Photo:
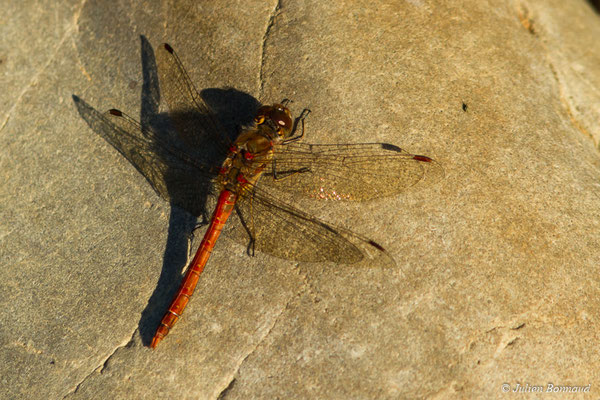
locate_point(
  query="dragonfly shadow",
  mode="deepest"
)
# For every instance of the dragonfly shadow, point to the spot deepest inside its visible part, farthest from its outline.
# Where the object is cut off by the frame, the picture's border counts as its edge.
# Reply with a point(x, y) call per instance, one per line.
point(157, 151)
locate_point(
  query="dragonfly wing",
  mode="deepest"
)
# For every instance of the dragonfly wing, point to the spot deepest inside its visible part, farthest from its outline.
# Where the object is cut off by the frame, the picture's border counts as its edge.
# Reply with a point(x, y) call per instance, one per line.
point(268, 225)
point(194, 120)
point(171, 171)
point(348, 171)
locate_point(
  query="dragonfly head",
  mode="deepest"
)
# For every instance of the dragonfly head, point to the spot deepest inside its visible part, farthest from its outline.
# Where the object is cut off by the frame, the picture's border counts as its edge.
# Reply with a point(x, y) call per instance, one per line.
point(277, 120)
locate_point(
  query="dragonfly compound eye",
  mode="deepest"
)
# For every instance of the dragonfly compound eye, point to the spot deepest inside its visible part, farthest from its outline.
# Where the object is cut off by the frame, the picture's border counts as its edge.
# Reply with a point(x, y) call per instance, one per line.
point(259, 117)
point(282, 118)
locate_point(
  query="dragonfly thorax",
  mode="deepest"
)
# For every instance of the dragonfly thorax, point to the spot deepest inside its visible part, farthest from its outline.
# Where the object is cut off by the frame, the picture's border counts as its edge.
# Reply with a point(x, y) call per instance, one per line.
point(247, 159)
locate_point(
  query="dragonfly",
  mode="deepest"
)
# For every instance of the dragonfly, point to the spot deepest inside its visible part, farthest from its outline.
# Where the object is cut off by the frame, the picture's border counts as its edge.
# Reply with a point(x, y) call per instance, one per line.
point(251, 180)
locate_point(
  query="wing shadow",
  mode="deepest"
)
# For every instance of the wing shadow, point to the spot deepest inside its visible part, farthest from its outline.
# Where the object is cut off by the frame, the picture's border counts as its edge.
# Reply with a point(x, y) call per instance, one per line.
point(162, 157)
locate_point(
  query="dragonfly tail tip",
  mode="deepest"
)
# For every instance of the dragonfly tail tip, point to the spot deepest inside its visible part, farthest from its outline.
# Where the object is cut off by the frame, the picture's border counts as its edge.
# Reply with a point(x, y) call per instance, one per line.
point(155, 342)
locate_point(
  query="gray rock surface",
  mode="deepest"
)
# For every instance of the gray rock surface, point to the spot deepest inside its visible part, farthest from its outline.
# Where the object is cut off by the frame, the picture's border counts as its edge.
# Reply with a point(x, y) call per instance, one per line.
point(497, 271)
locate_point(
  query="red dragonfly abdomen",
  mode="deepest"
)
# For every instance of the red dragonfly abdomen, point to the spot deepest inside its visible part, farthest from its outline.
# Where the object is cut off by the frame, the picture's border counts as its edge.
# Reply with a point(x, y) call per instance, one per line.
point(223, 210)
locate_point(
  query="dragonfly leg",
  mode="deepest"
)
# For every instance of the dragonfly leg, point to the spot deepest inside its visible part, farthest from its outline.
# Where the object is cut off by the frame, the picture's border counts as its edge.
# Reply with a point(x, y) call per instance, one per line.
point(251, 236)
point(250, 248)
point(198, 225)
point(280, 175)
point(192, 235)
point(300, 118)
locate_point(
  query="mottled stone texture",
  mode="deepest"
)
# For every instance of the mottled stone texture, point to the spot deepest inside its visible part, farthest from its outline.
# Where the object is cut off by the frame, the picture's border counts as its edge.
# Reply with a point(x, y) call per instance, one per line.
point(497, 276)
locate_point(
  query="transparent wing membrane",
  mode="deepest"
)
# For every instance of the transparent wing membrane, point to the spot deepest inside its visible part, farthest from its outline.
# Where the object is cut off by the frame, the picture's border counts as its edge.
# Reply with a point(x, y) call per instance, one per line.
point(184, 172)
point(195, 121)
point(348, 171)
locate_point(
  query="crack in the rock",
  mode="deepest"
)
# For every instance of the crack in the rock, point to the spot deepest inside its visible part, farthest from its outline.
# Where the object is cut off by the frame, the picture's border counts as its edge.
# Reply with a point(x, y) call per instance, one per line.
point(166, 7)
point(565, 103)
point(261, 81)
point(222, 394)
point(77, 14)
point(36, 75)
point(102, 365)
point(5, 122)
point(527, 20)
point(75, 48)
point(227, 389)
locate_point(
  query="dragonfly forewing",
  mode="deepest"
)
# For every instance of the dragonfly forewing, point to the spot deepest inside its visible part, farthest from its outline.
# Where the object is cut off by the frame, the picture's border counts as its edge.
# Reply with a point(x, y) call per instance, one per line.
point(348, 171)
point(195, 121)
